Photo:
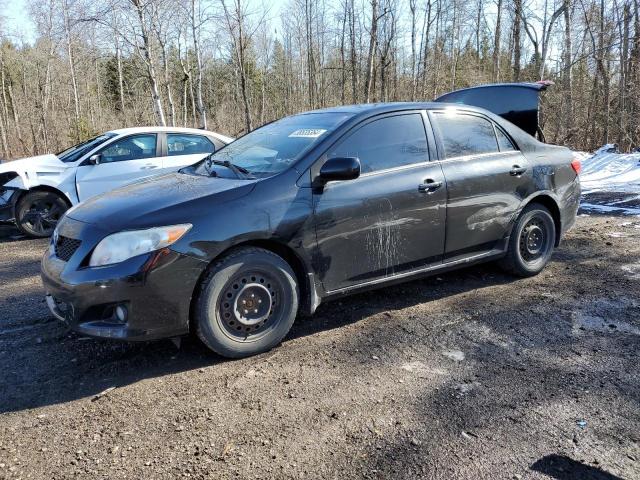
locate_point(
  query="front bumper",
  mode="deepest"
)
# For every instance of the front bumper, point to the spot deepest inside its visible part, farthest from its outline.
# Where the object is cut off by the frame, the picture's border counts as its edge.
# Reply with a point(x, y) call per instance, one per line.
point(155, 289)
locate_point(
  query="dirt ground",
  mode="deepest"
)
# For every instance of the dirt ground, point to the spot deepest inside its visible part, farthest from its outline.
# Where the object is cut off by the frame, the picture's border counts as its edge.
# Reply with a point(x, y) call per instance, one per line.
point(468, 375)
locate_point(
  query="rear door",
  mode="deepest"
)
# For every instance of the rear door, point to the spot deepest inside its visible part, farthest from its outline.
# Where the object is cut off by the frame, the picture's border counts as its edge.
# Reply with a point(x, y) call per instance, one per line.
point(388, 221)
point(125, 160)
point(183, 149)
point(487, 179)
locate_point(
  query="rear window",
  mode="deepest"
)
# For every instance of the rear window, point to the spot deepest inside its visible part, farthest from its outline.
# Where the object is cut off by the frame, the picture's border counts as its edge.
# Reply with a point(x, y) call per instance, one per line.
point(503, 141)
point(464, 135)
point(188, 144)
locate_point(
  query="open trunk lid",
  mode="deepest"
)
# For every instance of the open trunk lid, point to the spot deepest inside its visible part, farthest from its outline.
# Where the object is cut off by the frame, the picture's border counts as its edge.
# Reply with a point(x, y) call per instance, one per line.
point(517, 102)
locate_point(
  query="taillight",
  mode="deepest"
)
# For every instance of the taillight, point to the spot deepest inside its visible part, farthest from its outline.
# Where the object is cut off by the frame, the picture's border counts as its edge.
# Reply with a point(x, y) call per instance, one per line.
point(576, 165)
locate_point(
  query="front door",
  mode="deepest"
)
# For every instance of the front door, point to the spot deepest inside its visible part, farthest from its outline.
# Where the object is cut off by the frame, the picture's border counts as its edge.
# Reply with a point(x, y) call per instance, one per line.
point(123, 161)
point(391, 219)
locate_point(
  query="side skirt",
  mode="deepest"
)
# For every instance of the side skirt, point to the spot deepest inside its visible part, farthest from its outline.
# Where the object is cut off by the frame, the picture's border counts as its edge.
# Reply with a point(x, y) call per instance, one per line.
point(418, 273)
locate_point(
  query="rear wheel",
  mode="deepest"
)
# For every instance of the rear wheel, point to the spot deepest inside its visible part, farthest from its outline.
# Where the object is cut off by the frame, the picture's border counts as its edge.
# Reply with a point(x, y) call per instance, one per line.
point(531, 242)
point(38, 212)
point(247, 303)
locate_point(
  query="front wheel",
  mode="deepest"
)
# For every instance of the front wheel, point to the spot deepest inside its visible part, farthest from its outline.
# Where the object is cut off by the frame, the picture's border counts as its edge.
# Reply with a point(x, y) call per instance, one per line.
point(531, 242)
point(247, 303)
point(38, 213)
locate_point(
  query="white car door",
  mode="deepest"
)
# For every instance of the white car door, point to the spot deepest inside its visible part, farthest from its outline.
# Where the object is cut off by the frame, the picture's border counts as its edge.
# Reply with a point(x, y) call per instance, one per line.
point(123, 161)
point(185, 149)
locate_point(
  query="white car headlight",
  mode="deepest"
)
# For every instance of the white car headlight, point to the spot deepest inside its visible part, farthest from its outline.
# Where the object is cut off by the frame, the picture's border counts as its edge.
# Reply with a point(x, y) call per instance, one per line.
point(118, 247)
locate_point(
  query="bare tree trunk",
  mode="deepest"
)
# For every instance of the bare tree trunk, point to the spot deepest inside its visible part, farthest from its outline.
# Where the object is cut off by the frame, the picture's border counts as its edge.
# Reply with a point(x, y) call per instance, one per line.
point(517, 43)
point(353, 55)
point(312, 86)
point(120, 81)
point(150, 64)
point(622, 89)
point(343, 67)
point(239, 45)
point(200, 106)
point(186, 77)
point(167, 82)
point(414, 78)
point(496, 44)
point(425, 55)
point(72, 69)
point(5, 107)
point(373, 41)
point(568, 73)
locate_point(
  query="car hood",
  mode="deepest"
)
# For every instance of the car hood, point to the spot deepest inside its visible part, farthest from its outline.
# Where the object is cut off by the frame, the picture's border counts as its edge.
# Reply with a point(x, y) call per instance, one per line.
point(30, 168)
point(165, 200)
point(48, 162)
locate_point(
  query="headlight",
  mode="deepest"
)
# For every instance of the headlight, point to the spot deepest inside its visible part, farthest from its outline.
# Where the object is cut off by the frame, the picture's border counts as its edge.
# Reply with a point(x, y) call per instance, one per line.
point(118, 247)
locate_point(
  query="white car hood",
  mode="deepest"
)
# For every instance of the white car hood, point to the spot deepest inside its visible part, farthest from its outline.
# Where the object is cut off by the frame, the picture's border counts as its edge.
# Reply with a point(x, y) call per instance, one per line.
point(46, 170)
point(48, 163)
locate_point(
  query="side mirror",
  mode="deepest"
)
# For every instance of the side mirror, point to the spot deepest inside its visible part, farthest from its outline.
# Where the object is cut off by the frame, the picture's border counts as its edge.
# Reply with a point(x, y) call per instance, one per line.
point(95, 159)
point(340, 168)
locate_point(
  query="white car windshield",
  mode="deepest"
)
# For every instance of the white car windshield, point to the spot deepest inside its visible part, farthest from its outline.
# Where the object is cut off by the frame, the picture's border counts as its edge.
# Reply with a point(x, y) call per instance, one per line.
point(276, 146)
point(74, 153)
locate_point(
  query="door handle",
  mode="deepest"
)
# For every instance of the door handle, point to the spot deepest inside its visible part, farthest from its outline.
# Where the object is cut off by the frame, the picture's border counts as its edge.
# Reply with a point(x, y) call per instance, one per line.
point(148, 166)
point(517, 170)
point(429, 186)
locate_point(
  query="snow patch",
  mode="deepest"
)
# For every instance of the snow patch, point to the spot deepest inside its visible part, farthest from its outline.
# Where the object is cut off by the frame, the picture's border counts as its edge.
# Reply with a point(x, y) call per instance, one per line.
point(632, 270)
point(456, 355)
point(607, 171)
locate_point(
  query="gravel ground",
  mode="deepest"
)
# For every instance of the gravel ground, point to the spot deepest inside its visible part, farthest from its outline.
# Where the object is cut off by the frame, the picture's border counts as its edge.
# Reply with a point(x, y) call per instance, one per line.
point(467, 375)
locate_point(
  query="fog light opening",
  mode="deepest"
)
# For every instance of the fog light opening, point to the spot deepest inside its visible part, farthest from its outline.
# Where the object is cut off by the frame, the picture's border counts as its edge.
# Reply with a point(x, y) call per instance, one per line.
point(121, 313)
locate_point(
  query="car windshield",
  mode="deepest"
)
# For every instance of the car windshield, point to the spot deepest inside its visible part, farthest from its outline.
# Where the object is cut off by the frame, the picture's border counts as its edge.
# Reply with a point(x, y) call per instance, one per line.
point(74, 153)
point(276, 146)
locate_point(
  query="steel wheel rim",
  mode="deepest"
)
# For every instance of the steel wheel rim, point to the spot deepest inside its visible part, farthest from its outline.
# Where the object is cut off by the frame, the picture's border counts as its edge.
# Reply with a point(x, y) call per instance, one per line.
point(534, 240)
point(250, 305)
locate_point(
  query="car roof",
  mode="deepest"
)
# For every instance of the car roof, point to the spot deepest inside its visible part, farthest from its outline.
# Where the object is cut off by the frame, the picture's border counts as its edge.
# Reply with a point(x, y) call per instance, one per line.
point(373, 108)
point(155, 129)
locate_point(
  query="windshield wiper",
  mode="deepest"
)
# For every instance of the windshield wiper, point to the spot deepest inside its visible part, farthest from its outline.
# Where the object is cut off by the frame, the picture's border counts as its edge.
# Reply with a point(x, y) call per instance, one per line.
point(240, 172)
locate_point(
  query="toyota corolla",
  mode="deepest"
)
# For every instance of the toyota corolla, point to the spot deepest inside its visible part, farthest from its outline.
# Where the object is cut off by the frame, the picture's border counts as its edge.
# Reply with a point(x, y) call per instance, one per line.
point(303, 210)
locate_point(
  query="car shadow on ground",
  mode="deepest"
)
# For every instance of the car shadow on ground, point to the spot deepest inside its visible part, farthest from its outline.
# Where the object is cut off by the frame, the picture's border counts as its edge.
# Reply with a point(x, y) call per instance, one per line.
point(527, 362)
point(561, 467)
point(67, 367)
point(9, 233)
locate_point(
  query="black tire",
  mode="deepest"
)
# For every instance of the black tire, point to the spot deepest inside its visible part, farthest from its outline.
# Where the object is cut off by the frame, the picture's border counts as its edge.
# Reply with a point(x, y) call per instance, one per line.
point(38, 212)
point(531, 243)
point(247, 303)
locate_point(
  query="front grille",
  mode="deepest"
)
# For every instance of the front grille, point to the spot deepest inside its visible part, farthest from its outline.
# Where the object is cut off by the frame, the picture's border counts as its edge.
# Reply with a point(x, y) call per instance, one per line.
point(65, 247)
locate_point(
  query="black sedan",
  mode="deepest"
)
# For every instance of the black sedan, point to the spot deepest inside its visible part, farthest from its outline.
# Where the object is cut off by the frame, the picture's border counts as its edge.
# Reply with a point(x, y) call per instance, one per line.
point(305, 209)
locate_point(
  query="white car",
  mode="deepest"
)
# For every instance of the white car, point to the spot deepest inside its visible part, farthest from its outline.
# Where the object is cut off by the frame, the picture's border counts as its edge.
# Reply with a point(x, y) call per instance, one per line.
point(36, 191)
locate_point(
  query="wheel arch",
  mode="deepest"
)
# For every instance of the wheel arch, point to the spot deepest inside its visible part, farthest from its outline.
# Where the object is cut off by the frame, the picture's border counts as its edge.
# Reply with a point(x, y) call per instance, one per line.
point(43, 188)
point(550, 203)
point(309, 298)
point(40, 188)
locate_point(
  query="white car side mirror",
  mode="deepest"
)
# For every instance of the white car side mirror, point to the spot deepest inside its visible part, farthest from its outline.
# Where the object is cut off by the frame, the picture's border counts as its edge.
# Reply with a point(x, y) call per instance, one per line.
point(95, 159)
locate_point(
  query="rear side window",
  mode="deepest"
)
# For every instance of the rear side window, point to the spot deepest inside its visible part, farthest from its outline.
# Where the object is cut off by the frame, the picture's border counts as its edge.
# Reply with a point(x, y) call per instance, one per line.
point(386, 143)
point(465, 134)
point(184, 144)
point(503, 141)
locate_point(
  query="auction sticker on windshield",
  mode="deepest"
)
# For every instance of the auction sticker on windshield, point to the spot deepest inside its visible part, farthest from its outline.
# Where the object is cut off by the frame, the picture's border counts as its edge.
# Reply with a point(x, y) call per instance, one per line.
point(308, 133)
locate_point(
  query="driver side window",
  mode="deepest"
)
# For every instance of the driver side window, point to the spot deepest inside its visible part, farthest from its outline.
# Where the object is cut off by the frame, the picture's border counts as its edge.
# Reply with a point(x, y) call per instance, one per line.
point(134, 147)
point(385, 143)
